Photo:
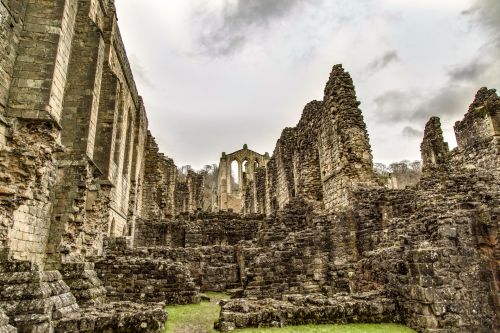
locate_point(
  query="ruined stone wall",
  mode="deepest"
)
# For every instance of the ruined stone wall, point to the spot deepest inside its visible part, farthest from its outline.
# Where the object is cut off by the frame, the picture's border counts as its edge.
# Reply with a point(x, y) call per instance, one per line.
point(95, 167)
point(149, 278)
point(165, 193)
point(72, 136)
point(31, 98)
point(195, 187)
point(26, 201)
point(196, 230)
point(160, 181)
point(248, 162)
point(326, 155)
point(478, 133)
point(213, 268)
point(429, 251)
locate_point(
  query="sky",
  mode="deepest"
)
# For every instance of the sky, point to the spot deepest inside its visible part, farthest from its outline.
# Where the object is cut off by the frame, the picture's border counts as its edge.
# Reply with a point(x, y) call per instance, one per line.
point(217, 74)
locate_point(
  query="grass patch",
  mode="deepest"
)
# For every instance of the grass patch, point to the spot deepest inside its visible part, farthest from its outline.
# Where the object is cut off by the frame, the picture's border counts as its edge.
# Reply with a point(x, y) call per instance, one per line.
point(194, 318)
point(349, 328)
point(200, 318)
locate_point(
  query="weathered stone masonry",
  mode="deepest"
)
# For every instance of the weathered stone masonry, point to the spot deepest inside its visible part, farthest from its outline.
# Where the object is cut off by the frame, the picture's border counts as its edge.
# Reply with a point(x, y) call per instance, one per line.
point(74, 154)
point(360, 251)
point(98, 229)
point(331, 245)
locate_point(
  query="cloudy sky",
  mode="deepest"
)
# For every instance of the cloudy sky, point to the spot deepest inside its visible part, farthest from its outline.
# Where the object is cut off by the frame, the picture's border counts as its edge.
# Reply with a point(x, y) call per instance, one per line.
point(216, 74)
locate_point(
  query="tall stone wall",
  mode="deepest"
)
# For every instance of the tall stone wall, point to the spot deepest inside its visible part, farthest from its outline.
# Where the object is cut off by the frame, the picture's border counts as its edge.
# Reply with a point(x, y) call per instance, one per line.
point(325, 157)
point(165, 193)
point(426, 255)
point(160, 179)
point(235, 199)
point(73, 136)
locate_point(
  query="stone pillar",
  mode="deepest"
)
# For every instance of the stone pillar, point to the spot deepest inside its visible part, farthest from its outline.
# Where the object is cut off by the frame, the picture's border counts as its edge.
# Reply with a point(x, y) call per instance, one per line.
point(31, 93)
point(435, 152)
point(40, 73)
point(79, 121)
point(223, 187)
point(240, 177)
point(137, 171)
point(344, 148)
point(107, 119)
point(228, 177)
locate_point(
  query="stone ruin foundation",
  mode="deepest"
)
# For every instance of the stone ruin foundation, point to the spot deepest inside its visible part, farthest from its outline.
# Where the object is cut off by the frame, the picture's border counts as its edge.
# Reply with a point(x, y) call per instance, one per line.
point(98, 231)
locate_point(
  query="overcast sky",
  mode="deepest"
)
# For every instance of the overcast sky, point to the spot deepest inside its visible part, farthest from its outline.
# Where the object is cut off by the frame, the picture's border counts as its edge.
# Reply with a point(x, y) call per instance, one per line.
point(216, 74)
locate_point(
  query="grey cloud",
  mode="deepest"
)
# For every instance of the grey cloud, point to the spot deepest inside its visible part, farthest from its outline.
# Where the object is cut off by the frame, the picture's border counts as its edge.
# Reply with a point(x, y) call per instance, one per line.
point(469, 72)
point(411, 132)
point(394, 105)
point(469, 11)
point(229, 34)
point(399, 106)
point(451, 100)
point(382, 62)
point(486, 14)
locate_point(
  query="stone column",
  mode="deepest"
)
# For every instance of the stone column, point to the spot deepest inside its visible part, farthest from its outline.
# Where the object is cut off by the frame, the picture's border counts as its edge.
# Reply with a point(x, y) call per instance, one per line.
point(240, 176)
point(76, 172)
point(107, 119)
point(344, 148)
point(41, 69)
point(228, 177)
point(41, 33)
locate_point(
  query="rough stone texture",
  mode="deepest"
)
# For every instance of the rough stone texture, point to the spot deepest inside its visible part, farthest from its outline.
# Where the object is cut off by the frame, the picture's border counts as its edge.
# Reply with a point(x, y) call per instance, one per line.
point(322, 159)
point(431, 250)
point(73, 132)
point(202, 229)
point(27, 175)
point(34, 299)
point(91, 211)
point(230, 198)
point(311, 309)
point(84, 283)
point(4, 324)
point(130, 275)
point(165, 195)
point(435, 152)
point(120, 317)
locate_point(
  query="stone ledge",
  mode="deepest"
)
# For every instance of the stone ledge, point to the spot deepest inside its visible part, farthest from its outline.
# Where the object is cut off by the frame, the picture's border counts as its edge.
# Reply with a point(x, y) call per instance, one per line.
point(369, 307)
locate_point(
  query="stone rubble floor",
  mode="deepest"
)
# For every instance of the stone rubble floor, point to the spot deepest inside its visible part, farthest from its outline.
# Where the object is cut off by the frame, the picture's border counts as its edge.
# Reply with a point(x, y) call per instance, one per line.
point(200, 318)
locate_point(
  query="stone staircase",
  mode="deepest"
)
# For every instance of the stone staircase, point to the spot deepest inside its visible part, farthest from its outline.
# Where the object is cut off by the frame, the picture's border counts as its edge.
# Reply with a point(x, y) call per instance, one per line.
point(34, 299)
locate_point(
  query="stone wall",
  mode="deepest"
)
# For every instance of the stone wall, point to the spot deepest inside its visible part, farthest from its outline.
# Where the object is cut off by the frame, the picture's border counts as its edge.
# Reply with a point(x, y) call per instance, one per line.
point(160, 180)
point(248, 162)
point(73, 132)
point(165, 193)
point(303, 310)
point(324, 157)
point(196, 230)
point(79, 169)
point(430, 251)
point(149, 278)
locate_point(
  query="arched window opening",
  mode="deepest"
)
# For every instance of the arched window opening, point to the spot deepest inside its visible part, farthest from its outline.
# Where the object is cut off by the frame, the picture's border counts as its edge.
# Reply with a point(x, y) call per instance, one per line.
point(245, 171)
point(255, 165)
point(235, 176)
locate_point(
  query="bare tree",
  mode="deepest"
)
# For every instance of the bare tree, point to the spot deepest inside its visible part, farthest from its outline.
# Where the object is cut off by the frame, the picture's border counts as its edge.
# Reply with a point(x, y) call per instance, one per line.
point(399, 175)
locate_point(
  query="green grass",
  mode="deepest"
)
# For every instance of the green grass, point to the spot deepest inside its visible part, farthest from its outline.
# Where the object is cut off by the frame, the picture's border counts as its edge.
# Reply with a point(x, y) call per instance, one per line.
point(350, 328)
point(194, 318)
point(199, 318)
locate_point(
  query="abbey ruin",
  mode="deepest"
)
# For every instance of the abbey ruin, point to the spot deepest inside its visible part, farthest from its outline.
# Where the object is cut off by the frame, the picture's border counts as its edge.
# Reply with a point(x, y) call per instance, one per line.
point(98, 230)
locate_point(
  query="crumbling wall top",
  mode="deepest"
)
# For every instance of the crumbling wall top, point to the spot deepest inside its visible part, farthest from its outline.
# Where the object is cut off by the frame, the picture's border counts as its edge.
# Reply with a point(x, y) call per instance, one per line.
point(482, 120)
point(434, 149)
